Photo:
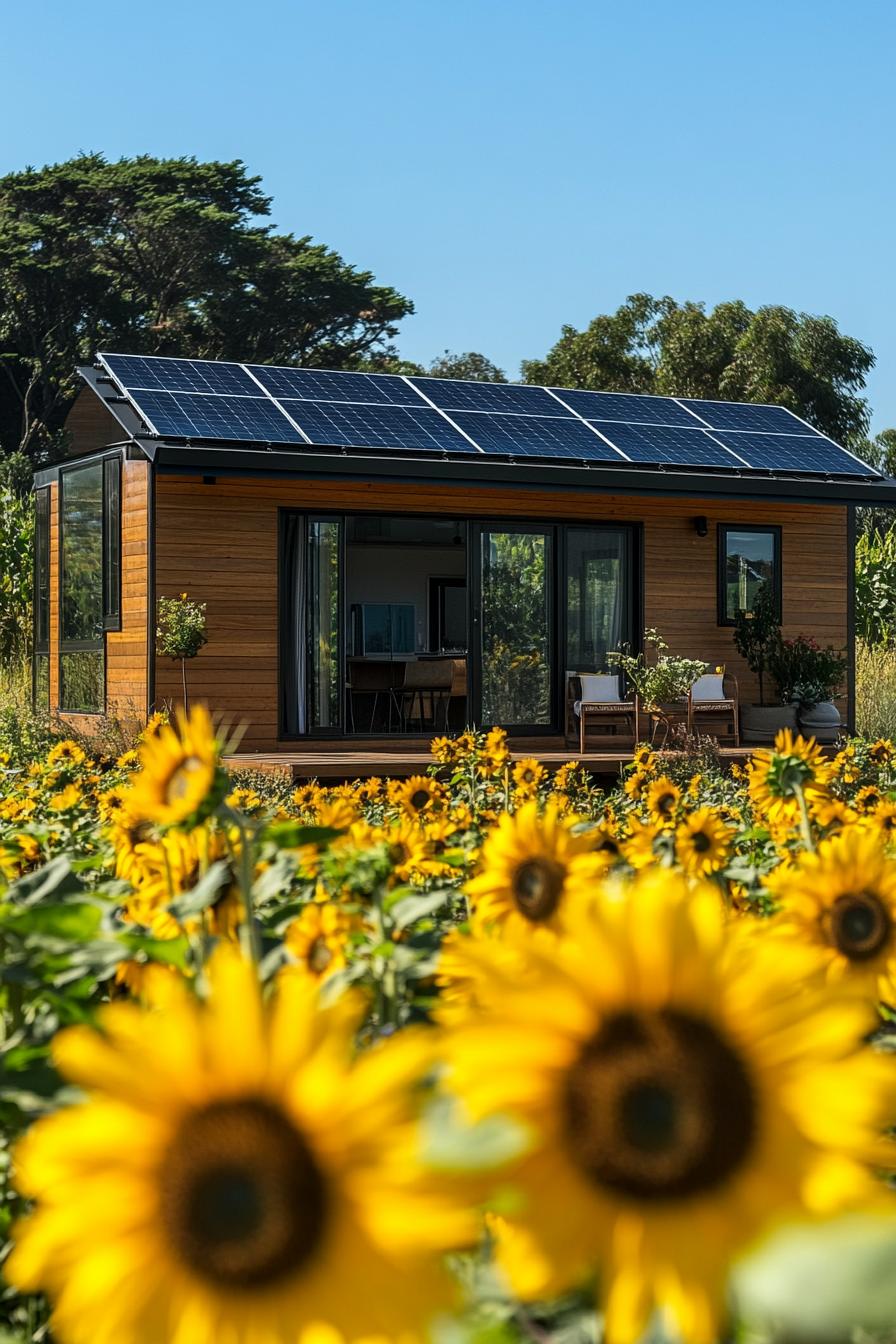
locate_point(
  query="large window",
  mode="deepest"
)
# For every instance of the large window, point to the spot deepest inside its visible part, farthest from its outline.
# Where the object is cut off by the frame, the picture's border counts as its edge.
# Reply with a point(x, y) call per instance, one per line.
point(82, 621)
point(42, 599)
point(599, 599)
point(749, 558)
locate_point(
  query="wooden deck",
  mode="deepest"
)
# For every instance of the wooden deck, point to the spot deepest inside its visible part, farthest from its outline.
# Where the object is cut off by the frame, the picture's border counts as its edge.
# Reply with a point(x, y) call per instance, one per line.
point(345, 762)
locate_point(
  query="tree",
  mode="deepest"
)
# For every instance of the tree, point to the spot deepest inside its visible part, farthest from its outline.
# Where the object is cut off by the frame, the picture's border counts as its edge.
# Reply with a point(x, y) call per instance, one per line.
point(732, 353)
point(471, 366)
point(162, 256)
point(881, 453)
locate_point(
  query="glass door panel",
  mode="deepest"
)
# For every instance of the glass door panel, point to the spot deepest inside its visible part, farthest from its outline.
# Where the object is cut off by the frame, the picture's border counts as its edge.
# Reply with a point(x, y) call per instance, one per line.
point(598, 595)
point(515, 646)
point(324, 603)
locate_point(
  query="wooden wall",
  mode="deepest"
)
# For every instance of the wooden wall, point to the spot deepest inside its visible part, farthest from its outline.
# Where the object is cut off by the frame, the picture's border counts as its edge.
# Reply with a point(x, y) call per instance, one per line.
point(219, 543)
point(127, 667)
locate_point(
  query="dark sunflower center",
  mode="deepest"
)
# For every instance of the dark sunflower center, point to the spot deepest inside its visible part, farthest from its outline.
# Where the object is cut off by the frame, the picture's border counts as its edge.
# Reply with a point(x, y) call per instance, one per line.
point(860, 925)
point(243, 1202)
point(701, 842)
point(658, 1107)
point(398, 852)
point(665, 803)
point(319, 955)
point(537, 886)
point(607, 845)
point(419, 799)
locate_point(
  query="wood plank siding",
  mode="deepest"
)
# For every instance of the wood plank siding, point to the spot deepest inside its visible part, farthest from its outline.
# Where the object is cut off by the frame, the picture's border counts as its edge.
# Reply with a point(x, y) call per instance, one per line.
point(127, 649)
point(219, 542)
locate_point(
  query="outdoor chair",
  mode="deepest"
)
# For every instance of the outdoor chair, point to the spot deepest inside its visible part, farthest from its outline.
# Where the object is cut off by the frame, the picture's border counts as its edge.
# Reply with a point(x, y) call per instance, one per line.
point(595, 700)
point(713, 699)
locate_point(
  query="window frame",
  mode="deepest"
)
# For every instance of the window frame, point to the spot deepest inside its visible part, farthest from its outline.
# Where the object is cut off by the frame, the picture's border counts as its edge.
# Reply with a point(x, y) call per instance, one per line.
point(765, 529)
point(41, 641)
point(98, 643)
point(111, 543)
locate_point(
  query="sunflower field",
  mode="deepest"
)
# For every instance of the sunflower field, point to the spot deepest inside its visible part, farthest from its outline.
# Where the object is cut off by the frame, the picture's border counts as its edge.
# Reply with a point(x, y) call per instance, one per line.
point(483, 1056)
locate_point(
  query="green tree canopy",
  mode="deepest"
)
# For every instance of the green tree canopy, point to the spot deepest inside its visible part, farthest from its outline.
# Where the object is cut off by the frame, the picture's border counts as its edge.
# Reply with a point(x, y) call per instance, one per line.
point(471, 366)
point(731, 353)
point(162, 256)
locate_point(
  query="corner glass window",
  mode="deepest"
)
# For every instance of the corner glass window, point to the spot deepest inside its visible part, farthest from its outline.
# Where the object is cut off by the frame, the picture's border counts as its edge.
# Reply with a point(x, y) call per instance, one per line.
point(82, 591)
point(749, 558)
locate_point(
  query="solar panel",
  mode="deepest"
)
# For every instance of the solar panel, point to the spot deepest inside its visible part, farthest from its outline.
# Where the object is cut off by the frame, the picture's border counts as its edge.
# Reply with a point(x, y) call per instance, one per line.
point(793, 452)
point(625, 406)
point(380, 389)
point(204, 399)
point(663, 444)
point(186, 415)
point(534, 436)
point(181, 375)
point(510, 398)
point(332, 425)
point(745, 416)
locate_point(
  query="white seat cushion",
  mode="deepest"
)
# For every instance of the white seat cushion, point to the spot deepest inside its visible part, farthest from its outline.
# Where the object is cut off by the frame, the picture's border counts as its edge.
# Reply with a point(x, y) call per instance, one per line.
point(711, 686)
point(597, 687)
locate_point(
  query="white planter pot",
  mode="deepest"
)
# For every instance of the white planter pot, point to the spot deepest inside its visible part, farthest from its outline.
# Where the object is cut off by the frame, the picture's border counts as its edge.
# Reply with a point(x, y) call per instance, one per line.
point(762, 723)
point(822, 722)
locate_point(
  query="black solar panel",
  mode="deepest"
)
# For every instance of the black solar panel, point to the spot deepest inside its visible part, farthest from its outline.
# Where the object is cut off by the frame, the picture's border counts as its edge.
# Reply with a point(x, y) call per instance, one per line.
point(745, 416)
point(186, 415)
point(419, 426)
point(625, 406)
point(792, 452)
point(203, 399)
point(510, 398)
point(181, 375)
point(319, 385)
point(534, 436)
point(663, 444)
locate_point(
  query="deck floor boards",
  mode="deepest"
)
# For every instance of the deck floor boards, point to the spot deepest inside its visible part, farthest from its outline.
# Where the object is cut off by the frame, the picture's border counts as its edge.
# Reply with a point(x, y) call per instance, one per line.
point(354, 763)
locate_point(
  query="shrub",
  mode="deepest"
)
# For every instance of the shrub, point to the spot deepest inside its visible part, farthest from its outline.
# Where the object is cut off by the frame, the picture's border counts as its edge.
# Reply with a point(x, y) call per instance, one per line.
point(181, 631)
point(805, 672)
point(757, 634)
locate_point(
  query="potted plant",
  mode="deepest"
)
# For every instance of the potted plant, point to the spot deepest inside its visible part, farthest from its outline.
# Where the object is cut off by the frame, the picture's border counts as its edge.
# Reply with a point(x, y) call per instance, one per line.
point(757, 638)
point(810, 676)
point(661, 685)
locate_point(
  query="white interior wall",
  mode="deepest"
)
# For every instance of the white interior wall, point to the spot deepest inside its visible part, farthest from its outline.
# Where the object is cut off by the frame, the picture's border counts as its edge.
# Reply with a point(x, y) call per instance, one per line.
point(400, 574)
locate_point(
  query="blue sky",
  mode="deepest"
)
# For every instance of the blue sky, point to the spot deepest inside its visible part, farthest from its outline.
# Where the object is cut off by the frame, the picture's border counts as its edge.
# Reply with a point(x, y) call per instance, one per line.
point(512, 166)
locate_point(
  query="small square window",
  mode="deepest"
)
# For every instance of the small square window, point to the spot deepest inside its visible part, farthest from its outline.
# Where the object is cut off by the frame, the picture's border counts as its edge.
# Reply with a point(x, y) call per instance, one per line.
point(749, 559)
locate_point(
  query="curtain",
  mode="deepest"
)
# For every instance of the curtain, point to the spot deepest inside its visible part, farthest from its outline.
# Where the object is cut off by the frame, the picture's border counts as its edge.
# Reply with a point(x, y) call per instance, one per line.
point(293, 609)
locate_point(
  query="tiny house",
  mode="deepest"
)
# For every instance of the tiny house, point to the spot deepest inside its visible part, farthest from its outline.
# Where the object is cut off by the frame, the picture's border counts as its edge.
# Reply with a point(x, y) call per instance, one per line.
point(386, 557)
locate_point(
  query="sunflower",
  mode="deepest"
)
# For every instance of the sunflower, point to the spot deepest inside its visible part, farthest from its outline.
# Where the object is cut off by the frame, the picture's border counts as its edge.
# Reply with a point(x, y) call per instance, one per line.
point(528, 774)
point(883, 818)
point(702, 842)
point(180, 777)
point(867, 799)
point(841, 901)
point(419, 796)
point(663, 798)
point(532, 868)
point(639, 846)
point(635, 784)
point(779, 778)
point(644, 758)
point(318, 939)
point(230, 1173)
point(678, 1102)
point(882, 751)
point(406, 847)
point(66, 753)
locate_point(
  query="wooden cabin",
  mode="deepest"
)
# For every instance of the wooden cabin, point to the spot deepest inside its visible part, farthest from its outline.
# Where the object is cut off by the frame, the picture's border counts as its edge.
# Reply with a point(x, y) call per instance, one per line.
point(384, 558)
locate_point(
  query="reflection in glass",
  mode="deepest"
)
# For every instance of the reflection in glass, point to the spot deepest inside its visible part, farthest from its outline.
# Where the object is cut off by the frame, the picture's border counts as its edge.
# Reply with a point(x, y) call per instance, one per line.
point(516, 654)
point(323, 623)
point(42, 681)
point(749, 563)
point(82, 554)
point(81, 682)
point(598, 601)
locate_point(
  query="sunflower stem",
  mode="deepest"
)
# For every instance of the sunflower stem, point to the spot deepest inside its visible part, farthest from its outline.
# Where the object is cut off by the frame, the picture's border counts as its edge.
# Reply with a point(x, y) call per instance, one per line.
point(245, 876)
point(805, 826)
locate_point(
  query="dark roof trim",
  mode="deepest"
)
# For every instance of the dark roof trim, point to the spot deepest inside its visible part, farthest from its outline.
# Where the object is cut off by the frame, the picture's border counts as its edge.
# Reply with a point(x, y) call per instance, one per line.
point(471, 473)
point(99, 382)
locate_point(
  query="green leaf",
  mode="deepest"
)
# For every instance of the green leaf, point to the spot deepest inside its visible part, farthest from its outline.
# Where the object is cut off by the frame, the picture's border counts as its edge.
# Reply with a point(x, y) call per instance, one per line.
point(412, 908)
point(74, 922)
point(55, 878)
point(293, 834)
point(204, 894)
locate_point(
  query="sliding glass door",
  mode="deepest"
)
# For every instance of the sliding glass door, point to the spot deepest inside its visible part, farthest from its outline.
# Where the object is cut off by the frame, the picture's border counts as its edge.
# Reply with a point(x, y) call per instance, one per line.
point(513, 618)
point(599, 608)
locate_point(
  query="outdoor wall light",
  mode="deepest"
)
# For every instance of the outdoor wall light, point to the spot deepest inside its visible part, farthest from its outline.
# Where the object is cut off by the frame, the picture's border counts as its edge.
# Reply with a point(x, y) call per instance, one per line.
point(701, 527)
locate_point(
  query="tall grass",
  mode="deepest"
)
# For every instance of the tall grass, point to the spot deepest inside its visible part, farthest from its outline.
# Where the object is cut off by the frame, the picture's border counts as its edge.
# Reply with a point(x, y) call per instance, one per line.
point(875, 691)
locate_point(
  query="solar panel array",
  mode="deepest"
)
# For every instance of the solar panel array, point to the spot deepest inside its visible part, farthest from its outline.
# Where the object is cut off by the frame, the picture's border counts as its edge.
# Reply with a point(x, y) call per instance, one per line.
point(258, 403)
